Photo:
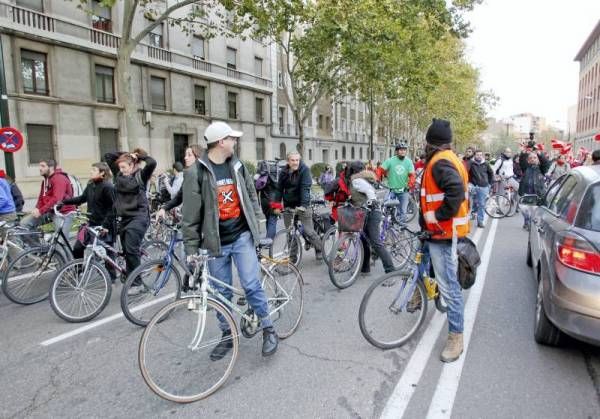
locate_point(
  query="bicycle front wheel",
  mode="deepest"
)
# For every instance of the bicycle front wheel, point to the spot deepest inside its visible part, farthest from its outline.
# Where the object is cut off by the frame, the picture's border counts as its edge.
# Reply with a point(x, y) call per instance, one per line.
point(283, 285)
point(79, 292)
point(328, 242)
point(392, 310)
point(151, 286)
point(497, 206)
point(174, 353)
point(345, 260)
point(287, 245)
point(28, 277)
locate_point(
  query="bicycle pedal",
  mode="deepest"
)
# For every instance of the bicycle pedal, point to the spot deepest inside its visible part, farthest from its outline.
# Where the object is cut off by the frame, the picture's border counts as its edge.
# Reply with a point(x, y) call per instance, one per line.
point(242, 301)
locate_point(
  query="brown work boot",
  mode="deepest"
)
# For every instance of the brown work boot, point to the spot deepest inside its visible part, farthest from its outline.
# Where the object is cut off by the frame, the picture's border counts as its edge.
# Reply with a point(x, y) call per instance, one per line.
point(454, 347)
point(415, 302)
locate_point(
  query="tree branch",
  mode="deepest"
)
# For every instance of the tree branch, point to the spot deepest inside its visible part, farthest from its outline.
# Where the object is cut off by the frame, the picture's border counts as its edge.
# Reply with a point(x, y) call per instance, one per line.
point(161, 19)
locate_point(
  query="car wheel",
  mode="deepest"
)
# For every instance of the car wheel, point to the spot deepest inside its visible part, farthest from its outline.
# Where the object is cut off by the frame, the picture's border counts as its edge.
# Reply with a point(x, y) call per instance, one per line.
point(544, 331)
point(529, 258)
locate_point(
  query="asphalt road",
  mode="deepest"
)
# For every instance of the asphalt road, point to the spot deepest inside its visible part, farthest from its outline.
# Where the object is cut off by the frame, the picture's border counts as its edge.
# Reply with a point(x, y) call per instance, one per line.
point(325, 370)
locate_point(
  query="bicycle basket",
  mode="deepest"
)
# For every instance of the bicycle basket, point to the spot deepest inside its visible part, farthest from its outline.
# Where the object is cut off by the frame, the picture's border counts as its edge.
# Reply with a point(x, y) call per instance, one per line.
point(351, 219)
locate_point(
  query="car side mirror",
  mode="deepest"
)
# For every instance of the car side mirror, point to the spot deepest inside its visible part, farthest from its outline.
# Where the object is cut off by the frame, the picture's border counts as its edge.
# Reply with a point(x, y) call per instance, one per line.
point(529, 201)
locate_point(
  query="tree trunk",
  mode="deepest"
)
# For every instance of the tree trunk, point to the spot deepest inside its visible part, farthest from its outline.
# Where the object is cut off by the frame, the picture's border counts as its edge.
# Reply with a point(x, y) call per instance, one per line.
point(301, 138)
point(126, 95)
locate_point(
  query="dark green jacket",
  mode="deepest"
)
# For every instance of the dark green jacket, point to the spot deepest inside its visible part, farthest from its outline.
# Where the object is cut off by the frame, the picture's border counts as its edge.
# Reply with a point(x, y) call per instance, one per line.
point(200, 225)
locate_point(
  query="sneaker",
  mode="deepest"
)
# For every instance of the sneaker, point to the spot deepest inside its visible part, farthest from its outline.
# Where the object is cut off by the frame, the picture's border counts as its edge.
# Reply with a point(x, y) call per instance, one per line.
point(454, 347)
point(224, 346)
point(480, 224)
point(270, 341)
point(415, 303)
point(319, 255)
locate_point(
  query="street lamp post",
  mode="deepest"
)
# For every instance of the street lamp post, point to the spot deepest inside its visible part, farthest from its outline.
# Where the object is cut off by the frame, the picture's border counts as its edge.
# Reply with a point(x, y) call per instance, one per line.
point(4, 117)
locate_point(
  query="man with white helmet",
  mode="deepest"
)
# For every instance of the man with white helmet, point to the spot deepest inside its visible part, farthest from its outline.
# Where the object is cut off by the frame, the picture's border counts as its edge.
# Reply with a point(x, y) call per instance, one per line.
point(221, 214)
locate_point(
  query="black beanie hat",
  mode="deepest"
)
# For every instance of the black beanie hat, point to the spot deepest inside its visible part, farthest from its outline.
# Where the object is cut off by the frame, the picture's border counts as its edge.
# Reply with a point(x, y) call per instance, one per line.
point(439, 132)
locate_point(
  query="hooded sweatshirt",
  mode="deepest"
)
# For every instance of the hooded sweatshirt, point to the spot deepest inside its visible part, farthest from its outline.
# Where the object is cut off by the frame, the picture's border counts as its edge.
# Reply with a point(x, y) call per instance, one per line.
point(54, 189)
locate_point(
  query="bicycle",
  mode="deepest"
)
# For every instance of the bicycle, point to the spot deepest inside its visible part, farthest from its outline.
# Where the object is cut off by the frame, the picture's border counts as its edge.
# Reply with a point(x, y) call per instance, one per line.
point(497, 204)
point(394, 307)
point(11, 243)
point(82, 288)
point(412, 209)
point(174, 350)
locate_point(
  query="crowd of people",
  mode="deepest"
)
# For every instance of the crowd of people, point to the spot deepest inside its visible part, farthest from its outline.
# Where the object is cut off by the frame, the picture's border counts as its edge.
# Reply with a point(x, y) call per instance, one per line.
point(223, 206)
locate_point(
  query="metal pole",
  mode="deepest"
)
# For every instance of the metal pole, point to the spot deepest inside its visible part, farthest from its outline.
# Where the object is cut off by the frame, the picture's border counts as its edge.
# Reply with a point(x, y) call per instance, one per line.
point(371, 136)
point(9, 163)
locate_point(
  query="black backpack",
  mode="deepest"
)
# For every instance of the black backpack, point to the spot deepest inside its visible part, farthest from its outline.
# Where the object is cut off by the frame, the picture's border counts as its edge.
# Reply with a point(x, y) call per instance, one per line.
point(468, 261)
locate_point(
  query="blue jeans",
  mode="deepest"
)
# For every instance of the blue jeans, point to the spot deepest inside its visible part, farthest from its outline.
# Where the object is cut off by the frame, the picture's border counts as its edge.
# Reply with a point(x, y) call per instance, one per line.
point(271, 226)
point(480, 194)
point(445, 266)
point(243, 253)
point(403, 197)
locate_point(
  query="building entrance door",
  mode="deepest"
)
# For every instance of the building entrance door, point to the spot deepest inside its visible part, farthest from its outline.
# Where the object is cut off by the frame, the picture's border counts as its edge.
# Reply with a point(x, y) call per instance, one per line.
point(180, 143)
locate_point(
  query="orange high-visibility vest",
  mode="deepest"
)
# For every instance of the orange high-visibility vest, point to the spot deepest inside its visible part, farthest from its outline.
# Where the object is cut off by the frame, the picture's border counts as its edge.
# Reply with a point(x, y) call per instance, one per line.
point(432, 198)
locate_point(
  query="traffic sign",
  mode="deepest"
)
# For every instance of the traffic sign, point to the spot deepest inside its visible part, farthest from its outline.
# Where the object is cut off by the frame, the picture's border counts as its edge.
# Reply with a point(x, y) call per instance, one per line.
point(11, 139)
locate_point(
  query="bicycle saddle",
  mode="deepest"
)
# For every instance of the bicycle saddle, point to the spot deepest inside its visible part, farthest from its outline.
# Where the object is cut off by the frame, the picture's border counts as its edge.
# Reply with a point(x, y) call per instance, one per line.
point(265, 243)
point(392, 203)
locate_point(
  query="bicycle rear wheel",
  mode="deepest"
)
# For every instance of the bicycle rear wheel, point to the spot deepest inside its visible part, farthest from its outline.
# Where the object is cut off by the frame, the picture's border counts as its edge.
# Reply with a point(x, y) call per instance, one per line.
point(497, 206)
point(153, 249)
point(328, 242)
point(151, 286)
point(345, 260)
point(80, 293)
point(285, 296)
point(28, 277)
point(174, 354)
point(392, 310)
point(287, 244)
point(411, 210)
point(400, 244)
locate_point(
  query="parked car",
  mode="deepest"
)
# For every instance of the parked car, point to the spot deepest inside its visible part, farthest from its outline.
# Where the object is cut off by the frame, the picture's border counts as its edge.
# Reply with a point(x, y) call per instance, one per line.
point(563, 250)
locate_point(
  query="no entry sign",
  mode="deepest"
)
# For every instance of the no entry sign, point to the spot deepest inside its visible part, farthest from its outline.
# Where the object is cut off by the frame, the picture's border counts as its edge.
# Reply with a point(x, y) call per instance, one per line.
point(11, 139)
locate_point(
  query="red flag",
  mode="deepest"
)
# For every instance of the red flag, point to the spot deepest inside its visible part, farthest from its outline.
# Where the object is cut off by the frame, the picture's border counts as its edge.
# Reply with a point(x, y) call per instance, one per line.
point(597, 137)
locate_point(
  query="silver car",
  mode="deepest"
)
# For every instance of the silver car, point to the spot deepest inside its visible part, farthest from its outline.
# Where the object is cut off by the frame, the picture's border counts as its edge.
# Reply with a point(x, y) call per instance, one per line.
point(563, 250)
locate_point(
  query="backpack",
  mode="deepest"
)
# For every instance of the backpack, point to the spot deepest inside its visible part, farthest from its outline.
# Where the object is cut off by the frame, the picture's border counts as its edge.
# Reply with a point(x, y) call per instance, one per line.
point(500, 167)
point(76, 188)
point(468, 261)
point(267, 171)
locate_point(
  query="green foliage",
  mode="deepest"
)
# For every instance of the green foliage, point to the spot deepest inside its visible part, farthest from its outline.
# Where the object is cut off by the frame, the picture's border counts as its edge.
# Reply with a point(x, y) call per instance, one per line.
point(317, 168)
point(250, 166)
point(339, 166)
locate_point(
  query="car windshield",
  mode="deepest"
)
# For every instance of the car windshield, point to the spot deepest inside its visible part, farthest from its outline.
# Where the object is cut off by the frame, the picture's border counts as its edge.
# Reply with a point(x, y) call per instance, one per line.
point(589, 212)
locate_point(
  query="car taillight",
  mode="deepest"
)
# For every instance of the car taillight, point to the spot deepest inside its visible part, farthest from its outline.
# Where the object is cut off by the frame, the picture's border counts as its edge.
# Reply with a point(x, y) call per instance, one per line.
point(578, 253)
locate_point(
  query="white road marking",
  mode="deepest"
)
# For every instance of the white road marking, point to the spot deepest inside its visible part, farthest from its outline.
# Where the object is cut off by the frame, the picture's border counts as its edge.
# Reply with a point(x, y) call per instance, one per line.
point(404, 390)
point(445, 392)
point(98, 323)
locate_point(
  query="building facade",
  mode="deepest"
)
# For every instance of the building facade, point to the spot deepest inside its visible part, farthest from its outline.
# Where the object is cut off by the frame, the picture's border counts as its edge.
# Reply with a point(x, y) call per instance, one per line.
point(588, 101)
point(61, 87)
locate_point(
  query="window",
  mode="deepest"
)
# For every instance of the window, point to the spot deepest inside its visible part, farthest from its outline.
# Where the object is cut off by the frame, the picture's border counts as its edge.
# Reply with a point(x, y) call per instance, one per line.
point(40, 144)
point(157, 93)
point(553, 189)
point(589, 211)
point(327, 122)
point(560, 201)
point(108, 140)
point(232, 105)
point(281, 119)
point(352, 154)
point(34, 73)
point(280, 80)
point(336, 155)
point(36, 5)
point(231, 58)
point(155, 37)
point(105, 90)
point(198, 44)
point(258, 103)
point(282, 151)
point(260, 149)
point(200, 99)
point(101, 17)
point(360, 153)
point(258, 66)
point(180, 143)
point(310, 154)
point(320, 122)
point(343, 152)
point(343, 125)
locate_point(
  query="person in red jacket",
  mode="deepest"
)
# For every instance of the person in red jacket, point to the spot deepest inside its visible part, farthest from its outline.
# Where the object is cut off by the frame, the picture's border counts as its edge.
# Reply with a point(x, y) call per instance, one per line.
point(55, 188)
point(338, 191)
point(379, 172)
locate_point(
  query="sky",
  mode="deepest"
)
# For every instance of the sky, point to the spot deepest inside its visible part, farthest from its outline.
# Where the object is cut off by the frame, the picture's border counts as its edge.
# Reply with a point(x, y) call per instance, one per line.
point(525, 51)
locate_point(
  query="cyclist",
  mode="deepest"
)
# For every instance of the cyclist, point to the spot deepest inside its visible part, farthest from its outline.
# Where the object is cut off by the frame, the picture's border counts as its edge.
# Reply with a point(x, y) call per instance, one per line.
point(445, 215)
point(55, 187)
point(505, 173)
point(266, 183)
point(99, 194)
point(363, 194)
point(481, 177)
point(533, 183)
point(221, 214)
point(469, 153)
point(16, 193)
point(294, 187)
point(131, 203)
point(338, 191)
point(7, 204)
point(400, 173)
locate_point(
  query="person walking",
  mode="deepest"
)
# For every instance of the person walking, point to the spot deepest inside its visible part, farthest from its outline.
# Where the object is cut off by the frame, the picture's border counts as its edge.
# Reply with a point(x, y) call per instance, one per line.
point(221, 214)
point(481, 177)
point(445, 216)
point(327, 176)
point(400, 173)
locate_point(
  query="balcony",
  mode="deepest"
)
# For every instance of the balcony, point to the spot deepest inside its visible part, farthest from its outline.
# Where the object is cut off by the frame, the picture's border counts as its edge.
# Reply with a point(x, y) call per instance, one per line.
point(99, 36)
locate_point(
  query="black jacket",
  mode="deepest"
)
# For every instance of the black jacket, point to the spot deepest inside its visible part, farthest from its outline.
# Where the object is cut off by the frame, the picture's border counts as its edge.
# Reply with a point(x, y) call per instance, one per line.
point(544, 162)
point(266, 196)
point(294, 187)
point(130, 191)
point(480, 174)
point(533, 182)
point(100, 198)
point(17, 197)
point(448, 179)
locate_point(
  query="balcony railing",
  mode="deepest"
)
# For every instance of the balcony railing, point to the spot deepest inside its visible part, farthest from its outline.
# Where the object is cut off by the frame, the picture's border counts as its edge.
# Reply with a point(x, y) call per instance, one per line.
point(95, 34)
